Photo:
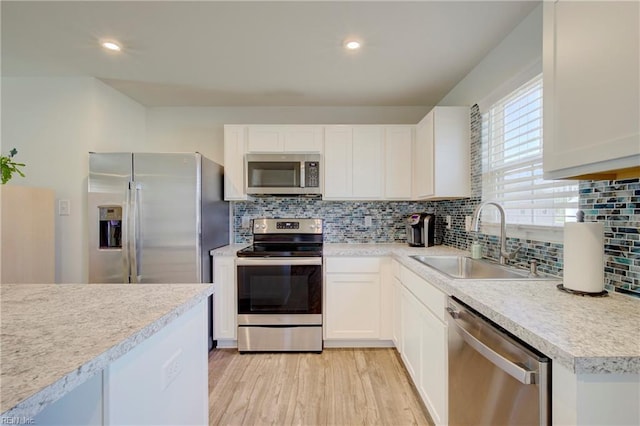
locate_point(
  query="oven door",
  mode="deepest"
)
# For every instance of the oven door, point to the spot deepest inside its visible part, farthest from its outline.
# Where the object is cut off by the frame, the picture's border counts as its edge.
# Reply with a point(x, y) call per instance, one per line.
point(279, 286)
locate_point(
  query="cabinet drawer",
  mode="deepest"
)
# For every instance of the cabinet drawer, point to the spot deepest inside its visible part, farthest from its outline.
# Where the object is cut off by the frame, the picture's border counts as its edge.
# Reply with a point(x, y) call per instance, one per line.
point(427, 294)
point(352, 265)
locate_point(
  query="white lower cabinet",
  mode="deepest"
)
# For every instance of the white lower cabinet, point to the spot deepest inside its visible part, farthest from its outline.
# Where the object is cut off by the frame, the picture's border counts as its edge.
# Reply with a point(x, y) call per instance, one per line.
point(225, 306)
point(433, 371)
point(423, 341)
point(352, 298)
point(356, 302)
point(396, 311)
point(411, 333)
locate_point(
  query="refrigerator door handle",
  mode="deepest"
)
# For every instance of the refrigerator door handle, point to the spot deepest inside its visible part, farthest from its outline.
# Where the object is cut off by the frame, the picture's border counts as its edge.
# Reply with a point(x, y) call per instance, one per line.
point(135, 232)
point(126, 217)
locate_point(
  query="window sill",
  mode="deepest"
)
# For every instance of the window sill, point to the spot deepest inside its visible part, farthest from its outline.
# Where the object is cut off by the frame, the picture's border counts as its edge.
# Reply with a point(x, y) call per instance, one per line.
point(526, 232)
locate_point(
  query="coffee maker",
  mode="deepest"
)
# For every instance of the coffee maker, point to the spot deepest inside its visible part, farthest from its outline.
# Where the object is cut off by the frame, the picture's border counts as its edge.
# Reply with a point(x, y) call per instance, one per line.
point(421, 229)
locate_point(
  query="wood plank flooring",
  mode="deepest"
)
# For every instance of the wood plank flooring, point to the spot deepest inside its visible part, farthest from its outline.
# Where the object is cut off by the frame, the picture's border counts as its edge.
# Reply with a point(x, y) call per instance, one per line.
point(337, 387)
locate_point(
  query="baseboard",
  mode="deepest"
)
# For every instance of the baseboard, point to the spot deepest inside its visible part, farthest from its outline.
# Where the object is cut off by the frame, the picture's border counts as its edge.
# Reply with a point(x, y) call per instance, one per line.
point(355, 343)
point(227, 344)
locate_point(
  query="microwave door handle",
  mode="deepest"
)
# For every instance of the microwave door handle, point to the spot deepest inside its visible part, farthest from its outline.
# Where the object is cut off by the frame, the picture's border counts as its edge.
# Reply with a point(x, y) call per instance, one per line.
point(302, 181)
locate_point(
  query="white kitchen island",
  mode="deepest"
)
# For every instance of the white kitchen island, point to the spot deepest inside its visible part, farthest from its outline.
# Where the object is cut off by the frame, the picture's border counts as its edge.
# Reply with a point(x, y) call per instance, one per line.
point(104, 354)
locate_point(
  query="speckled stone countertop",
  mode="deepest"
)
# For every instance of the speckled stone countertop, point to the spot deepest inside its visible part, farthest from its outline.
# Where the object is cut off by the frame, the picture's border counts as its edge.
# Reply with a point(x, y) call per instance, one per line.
point(229, 250)
point(56, 336)
point(584, 334)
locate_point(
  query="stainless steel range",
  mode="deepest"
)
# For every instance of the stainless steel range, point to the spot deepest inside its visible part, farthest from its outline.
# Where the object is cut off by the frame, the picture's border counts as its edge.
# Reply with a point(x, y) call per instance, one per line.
point(280, 287)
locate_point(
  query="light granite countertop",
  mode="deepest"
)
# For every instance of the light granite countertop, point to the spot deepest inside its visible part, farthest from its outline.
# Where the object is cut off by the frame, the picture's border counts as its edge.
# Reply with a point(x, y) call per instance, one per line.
point(586, 335)
point(56, 336)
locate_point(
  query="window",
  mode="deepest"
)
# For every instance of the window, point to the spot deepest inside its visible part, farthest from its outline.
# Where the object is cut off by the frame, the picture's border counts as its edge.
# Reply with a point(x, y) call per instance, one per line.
point(512, 166)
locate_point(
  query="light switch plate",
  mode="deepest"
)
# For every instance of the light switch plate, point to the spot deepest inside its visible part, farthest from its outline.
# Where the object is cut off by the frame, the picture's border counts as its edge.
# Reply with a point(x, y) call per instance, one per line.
point(64, 207)
point(368, 221)
point(448, 221)
point(467, 223)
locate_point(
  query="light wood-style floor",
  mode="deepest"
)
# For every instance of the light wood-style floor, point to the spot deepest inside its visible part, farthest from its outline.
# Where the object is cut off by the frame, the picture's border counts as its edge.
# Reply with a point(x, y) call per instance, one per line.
point(337, 387)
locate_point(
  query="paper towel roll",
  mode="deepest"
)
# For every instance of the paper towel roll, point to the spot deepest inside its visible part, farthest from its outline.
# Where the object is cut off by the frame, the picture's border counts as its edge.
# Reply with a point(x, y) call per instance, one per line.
point(584, 256)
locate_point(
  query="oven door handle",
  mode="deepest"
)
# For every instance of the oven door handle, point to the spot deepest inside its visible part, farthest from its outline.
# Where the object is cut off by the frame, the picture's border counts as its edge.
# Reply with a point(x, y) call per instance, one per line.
point(278, 261)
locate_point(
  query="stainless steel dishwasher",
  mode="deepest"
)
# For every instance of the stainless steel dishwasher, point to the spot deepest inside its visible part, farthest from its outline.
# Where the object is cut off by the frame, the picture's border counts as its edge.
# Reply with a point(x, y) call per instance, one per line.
point(493, 378)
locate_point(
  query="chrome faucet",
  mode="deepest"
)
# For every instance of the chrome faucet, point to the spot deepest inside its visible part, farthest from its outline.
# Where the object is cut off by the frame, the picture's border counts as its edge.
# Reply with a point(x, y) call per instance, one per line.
point(504, 254)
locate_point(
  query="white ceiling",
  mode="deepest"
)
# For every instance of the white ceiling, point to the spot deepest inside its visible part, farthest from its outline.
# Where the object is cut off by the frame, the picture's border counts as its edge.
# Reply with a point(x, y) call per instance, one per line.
point(240, 53)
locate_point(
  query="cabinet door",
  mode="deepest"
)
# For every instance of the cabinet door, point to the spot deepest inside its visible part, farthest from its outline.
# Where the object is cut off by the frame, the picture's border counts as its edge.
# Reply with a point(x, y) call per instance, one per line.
point(591, 61)
point(338, 167)
point(423, 161)
point(225, 298)
point(234, 150)
point(451, 152)
point(352, 309)
point(302, 139)
point(434, 368)
point(386, 299)
point(441, 162)
point(367, 167)
point(398, 157)
point(265, 139)
point(397, 314)
point(411, 333)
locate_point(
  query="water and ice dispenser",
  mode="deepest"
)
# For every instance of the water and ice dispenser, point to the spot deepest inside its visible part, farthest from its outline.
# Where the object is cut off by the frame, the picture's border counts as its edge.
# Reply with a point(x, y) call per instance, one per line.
point(110, 227)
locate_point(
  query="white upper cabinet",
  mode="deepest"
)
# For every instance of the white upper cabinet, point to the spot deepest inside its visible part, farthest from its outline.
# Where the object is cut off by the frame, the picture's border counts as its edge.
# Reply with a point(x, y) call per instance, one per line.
point(441, 160)
point(353, 162)
point(368, 162)
point(234, 150)
point(591, 64)
point(277, 138)
point(338, 167)
point(398, 153)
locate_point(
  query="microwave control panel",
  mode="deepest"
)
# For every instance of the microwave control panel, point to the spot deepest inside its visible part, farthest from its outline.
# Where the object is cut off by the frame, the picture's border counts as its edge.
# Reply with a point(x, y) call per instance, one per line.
point(312, 174)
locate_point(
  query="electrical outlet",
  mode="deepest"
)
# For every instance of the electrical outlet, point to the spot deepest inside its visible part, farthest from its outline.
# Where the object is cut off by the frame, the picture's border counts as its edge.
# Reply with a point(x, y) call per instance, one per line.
point(367, 221)
point(64, 207)
point(246, 222)
point(171, 368)
point(467, 223)
point(448, 221)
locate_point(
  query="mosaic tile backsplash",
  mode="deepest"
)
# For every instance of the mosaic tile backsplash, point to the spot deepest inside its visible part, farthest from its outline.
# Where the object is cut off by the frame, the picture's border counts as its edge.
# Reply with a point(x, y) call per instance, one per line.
point(616, 203)
point(343, 220)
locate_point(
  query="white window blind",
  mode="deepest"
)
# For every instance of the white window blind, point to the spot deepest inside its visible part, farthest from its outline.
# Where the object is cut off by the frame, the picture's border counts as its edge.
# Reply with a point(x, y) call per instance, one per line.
point(512, 164)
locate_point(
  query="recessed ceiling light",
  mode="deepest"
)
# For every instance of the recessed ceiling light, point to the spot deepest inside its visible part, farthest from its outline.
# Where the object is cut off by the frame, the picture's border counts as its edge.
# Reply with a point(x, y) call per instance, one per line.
point(352, 44)
point(111, 45)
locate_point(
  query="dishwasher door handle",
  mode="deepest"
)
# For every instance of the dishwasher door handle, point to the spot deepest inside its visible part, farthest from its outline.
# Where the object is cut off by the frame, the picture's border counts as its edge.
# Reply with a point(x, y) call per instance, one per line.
point(523, 375)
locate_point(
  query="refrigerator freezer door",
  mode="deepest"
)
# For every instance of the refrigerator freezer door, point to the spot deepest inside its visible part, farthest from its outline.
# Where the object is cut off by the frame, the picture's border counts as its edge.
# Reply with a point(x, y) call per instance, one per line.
point(108, 183)
point(168, 219)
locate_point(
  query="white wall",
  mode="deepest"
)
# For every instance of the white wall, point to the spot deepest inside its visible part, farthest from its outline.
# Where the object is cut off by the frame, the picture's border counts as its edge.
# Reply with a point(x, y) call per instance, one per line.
point(519, 51)
point(54, 123)
point(201, 128)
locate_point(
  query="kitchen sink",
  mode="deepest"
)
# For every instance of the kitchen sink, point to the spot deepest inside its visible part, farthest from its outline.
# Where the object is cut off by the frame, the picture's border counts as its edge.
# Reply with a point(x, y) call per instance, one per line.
point(474, 269)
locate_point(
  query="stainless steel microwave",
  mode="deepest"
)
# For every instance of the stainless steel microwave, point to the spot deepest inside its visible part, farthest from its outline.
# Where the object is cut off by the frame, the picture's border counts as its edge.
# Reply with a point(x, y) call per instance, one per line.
point(283, 174)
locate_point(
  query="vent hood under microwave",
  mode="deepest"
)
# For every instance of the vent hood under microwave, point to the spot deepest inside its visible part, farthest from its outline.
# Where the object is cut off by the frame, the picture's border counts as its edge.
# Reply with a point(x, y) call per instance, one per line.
point(283, 174)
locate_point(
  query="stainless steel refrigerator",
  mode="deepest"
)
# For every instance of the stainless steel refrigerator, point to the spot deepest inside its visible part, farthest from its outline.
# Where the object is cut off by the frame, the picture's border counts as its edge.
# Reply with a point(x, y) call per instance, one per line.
point(154, 217)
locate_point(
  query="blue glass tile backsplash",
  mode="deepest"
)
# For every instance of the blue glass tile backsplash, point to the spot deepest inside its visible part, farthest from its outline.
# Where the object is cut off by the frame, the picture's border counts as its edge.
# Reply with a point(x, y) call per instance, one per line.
point(616, 203)
point(343, 220)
